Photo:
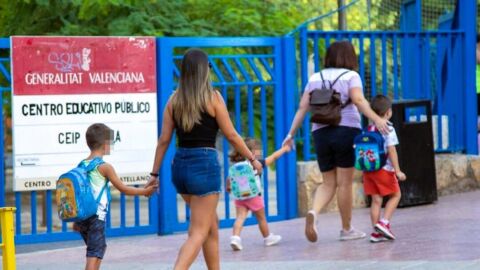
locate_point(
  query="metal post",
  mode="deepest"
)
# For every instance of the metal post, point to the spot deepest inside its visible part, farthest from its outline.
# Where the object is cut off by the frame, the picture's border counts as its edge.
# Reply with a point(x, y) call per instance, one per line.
point(342, 16)
point(467, 22)
point(8, 244)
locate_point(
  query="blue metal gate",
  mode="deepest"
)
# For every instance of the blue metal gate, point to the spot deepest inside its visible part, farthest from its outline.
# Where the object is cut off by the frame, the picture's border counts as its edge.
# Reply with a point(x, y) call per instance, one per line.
point(256, 77)
point(411, 64)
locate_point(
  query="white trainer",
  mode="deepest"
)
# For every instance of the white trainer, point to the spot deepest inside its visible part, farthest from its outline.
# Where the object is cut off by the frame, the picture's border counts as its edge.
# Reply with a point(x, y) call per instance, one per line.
point(236, 242)
point(272, 240)
point(311, 226)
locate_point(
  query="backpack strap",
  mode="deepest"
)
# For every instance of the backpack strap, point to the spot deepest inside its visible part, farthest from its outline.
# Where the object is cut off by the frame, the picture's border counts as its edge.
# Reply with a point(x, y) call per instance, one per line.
point(335, 81)
point(97, 161)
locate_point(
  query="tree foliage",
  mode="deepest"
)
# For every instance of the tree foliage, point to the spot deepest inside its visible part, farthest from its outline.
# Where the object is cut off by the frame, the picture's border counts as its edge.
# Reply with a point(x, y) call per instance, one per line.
point(155, 18)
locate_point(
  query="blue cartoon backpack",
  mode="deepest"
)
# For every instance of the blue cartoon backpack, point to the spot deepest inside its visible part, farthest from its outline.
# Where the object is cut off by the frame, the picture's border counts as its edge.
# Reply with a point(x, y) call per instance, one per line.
point(369, 150)
point(245, 184)
point(74, 194)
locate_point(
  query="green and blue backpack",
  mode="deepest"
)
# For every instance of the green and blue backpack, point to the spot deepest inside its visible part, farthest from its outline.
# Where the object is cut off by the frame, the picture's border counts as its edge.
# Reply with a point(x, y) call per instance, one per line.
point(245, 184)
point(370, 153)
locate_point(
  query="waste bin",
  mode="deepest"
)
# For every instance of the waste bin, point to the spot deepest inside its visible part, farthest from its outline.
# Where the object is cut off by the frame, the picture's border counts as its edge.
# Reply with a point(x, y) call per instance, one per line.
point(413, 123)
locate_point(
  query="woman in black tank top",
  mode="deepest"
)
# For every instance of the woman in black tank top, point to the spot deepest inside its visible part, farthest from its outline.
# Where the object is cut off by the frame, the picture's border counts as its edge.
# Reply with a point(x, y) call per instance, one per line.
point(196, 112)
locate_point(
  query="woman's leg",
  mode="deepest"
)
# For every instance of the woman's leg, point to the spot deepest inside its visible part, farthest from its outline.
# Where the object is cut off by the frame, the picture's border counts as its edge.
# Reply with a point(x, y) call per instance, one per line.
point(242, 213)
point(210, 246)
point(325, 192)
point(262, 222)
point(203, 212)
point(344, 195)
point(375, 208)
point(323, 195)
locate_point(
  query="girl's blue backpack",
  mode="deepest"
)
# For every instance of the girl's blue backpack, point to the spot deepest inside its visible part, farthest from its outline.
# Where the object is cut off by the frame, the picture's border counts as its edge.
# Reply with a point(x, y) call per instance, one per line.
point(369, 151)
point(74, 194)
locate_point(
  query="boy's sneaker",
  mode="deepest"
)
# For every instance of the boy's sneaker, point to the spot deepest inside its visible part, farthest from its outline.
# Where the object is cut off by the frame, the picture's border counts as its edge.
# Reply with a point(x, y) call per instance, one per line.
point(311, 226)
point(236, 242)
point(351, 235)
point(272, 239)
point(376, 237)
point(385, 230)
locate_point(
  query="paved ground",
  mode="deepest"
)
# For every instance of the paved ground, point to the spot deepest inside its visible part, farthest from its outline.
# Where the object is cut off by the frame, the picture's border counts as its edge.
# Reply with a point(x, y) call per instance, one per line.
point(444, 235)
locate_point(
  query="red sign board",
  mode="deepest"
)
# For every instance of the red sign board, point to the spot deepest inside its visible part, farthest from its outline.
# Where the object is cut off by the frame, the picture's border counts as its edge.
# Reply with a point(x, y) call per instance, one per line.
point(83, 65)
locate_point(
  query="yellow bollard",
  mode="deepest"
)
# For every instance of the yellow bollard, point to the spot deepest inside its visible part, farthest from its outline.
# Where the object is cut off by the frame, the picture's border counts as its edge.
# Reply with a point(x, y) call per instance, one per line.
point(8, 243)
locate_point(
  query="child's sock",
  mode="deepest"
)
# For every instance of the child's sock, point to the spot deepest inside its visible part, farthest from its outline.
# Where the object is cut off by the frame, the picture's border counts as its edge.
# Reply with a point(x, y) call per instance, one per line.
point(384, 221)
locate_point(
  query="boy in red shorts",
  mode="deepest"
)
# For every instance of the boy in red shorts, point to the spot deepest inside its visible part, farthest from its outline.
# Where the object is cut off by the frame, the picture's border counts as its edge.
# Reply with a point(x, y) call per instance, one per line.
point(384, 182)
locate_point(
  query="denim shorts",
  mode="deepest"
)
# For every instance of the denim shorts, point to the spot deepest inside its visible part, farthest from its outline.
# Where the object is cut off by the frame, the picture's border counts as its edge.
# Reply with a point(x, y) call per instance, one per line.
point(334, 147)
point(196, 171)
point(92, 231)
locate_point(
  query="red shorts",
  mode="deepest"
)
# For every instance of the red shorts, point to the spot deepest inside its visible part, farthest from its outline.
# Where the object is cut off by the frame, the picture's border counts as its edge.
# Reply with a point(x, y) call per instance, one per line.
point(253, 204)
point(381, 182)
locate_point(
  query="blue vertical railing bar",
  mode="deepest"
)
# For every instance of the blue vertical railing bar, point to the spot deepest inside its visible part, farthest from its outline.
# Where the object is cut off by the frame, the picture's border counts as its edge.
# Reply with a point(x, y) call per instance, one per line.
point(48, 210)
point(33, 213)
point(361, 58)
point(373, 66)
point(225, 161)
point(304, 80)
point(136, 205)
point(316, 54)
point(18, 213)
point(384, 65)
point(418, 56)
point(279, 111)
point(109, 219)
point(439, 91)
point(426, 71)
point(327, 41)
point(122, 210)
point(263, 113)
point(395, 67)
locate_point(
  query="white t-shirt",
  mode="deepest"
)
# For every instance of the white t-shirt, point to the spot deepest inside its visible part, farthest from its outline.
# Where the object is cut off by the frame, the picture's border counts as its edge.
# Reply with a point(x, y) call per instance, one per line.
point(391, 139)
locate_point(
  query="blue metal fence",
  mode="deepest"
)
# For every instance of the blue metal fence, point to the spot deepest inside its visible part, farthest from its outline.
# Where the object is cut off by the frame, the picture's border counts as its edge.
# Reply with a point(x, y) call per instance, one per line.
point(404, 65)
point(252, 80)
point(254, 76)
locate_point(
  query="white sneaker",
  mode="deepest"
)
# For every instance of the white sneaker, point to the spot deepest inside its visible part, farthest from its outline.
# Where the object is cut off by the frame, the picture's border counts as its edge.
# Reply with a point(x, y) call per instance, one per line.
point(351, 235)
point(311, 226)
point(272, 239)
point(236, 242)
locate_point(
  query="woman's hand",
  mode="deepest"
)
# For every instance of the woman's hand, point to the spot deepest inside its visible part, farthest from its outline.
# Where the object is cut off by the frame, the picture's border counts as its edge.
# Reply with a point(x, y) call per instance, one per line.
point(257, 166)
point(153, 181)
point(382, 125)
point(289, 142)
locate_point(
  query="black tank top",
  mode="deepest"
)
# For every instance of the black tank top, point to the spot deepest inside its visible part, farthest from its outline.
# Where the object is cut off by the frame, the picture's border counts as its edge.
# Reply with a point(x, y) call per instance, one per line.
point(201, 135)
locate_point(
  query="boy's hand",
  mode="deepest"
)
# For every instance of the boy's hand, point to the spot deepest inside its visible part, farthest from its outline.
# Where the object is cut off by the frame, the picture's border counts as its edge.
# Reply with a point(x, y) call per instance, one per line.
point(150, 189)
point(401, 176)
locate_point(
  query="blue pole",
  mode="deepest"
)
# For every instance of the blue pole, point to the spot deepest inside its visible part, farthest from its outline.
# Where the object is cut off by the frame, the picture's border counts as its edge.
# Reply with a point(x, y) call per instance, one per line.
point(467, 22)
point(290, 88)
point(167, 201)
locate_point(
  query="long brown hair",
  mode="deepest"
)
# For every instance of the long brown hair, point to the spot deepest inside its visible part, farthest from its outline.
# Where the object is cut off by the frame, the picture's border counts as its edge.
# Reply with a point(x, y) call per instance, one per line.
point(194, 90)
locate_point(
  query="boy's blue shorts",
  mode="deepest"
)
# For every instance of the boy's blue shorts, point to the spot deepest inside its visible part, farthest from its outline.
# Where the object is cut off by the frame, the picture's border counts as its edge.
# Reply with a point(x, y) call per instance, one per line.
point(93, 233)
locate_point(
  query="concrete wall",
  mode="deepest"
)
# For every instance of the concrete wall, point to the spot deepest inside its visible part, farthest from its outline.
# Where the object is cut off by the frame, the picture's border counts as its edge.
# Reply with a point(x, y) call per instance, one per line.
point(455, 173)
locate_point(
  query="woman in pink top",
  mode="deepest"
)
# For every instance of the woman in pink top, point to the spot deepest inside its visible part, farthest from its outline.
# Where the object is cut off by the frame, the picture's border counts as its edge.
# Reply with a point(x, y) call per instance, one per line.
point(334, 144)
